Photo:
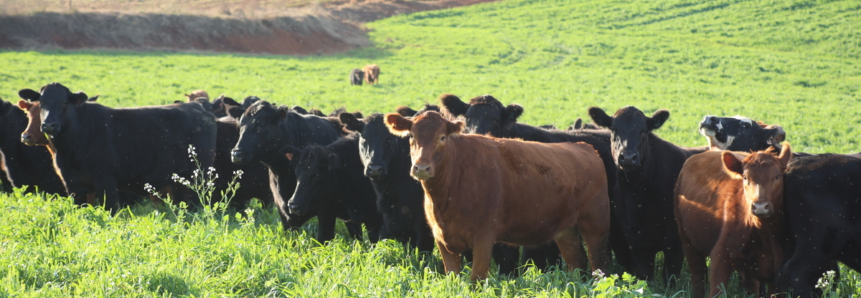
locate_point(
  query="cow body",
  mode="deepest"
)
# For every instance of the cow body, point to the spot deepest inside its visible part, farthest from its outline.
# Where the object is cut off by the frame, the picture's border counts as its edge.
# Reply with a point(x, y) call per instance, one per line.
point(263, 131)
point(372, 73)
point(646, 169)
point(331, 178)
point(100, 149)
point(822, 202)
point(481, 190)
point(25, 165)
point(486, 115)
point(356, 76)
point(715, 220)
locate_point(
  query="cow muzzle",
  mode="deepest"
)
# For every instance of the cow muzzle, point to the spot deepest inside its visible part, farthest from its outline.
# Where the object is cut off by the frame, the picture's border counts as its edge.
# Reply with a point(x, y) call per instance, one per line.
point(628, 160)
point(51, 128)
point(239, 156)
point(422, 172)
point(27, 139)
point(761, 209)
point(297, 209)
point(375, 171)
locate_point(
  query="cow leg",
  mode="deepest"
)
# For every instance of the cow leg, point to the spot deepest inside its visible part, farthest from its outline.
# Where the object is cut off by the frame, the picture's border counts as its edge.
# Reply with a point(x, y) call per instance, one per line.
point(450, 260)
point(506, 257)
point(354, 228)
point(697, 265)
point(721, 270)
point(568, 241)
point(326, 226)
point(424, 237)
point(673, 259)
point(542, 256)
point(482, 249)
point(374, 231)
point(750, 284)
point(619, 245)
point(594, 225)
point(106, 192)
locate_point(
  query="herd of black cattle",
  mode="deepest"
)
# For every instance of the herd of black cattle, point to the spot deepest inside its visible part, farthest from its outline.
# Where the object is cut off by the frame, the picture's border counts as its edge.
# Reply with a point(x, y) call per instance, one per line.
point(351, 166)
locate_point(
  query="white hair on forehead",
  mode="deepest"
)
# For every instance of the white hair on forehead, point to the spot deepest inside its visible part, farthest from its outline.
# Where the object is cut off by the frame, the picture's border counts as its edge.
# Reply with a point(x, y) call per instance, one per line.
point(743, 119)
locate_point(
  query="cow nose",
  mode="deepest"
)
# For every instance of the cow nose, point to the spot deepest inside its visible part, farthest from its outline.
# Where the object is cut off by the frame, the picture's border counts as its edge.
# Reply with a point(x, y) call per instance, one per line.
point(629, 159)
point(709, 119)
point(761, 209)
point(49, 127)
point(296, 209)
point(374, 171)
point(25, 138)
point(237, 156)
point(422, 171)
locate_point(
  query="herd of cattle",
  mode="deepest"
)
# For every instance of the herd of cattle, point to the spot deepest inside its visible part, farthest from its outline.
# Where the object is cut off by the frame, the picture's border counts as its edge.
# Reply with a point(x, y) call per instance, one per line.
point(469, 179)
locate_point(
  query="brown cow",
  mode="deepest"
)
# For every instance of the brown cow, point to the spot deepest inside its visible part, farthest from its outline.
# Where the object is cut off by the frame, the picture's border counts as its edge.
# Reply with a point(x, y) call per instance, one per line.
point(196, 94)
point(731, 211)
point(480, 190)
point(372, 73)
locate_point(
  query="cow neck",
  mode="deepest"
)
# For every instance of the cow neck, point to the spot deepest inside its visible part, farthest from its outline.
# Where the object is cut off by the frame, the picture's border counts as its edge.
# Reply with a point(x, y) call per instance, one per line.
point(437, 188)
point(635, 179)
point(79, 135)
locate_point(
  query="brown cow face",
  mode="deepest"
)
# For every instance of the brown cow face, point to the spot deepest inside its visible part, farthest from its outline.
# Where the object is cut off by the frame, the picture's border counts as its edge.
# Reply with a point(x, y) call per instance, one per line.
point(33, 135)
point(428, 134)
point(762, 173)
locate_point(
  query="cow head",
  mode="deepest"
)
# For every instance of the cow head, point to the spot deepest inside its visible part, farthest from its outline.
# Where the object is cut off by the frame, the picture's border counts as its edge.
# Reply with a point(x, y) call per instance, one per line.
point(314, 167)
point(377, 146)
point(740, 133)
point(57, 104)
point(630, 131)
point(259, 133)
point(484, 114)
point(196, 94)
point(32, 135)
point(762, 173)
point(428, 134)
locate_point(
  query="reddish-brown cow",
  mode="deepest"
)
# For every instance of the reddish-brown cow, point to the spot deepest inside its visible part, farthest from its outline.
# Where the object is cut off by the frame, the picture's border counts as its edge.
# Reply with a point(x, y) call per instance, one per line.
point(372, 73)
point(731, 211)
point(480, 190)
point(196, 94)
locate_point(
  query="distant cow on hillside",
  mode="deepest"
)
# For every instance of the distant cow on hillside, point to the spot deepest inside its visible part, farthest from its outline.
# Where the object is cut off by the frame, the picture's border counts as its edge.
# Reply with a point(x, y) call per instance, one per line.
point(372, 73)
point(356, 76)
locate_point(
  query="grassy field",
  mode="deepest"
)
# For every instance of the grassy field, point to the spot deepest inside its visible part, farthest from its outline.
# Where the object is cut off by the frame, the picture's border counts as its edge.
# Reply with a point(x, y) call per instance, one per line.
point(793, 63)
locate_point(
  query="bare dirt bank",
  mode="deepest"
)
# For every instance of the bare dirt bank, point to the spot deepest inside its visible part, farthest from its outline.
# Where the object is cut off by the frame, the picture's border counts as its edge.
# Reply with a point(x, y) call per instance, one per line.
point(313, 29)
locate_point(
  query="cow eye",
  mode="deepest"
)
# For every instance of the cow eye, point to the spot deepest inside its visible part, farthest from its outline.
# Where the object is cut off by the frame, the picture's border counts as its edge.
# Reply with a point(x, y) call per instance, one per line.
point(745, 126)
point(744, 177)
point(777, 177)
point(442, 139)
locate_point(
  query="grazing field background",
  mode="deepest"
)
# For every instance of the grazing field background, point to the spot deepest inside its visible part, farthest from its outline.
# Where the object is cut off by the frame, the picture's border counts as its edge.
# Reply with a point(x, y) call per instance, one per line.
point(792, 63)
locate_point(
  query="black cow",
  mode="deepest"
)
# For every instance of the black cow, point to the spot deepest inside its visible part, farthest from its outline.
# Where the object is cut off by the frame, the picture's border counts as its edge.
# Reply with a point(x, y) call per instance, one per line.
point(263, 131)
point(822, 205)
point(101, 149)
point(646, 169)
point(356, 76)
point(740, 134)
point(485, 114)
point(24, 165)
point(330, 178)
point(400, 198)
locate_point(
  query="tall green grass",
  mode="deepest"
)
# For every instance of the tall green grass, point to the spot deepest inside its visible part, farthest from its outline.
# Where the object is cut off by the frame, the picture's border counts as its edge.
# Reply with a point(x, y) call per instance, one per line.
point(793, 63)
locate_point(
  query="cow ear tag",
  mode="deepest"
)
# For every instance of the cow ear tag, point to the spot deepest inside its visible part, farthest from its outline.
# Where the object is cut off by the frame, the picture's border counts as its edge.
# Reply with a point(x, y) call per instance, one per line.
point(289, 156)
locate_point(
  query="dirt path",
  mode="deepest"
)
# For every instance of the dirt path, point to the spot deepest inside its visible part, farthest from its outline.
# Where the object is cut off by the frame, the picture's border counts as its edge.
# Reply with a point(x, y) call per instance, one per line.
point(243, 27)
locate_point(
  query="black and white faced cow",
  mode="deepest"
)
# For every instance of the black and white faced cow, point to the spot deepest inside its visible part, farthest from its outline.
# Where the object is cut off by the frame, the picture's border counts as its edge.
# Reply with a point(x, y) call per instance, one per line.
point(740, 134)
point(646, 171)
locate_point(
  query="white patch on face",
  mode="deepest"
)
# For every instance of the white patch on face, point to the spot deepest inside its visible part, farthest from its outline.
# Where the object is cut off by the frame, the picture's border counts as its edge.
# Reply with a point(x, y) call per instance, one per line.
point(719, 126)
point(744, 119)
point(729, 140)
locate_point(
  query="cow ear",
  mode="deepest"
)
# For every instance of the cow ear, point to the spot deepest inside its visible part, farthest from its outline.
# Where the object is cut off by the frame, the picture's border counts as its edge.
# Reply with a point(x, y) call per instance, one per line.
point(316, 112)
point(334, 162)
point(178, 101)
point(398, 125)
point(78, 97)
point(405, 111)
point(600, 117)
point(453, 128)
point(351, 122)
point(452, 105)
point(513, 111)
point(785, 156)
point(24, 105)
point(732, 165)
point(29, 94)
point(235, 111)
point(578, 124)
point(283, 111)
point(290, 152)
point(299, 110)
point(94, 98)
point(658, 119)
point(358, 115)
point(230, 101)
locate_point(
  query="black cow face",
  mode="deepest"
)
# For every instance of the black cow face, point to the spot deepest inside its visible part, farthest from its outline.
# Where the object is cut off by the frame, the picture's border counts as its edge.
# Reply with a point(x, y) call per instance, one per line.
point(740, 134)
point(483, 115)
point(259, 133)
point(56, 102)
point(377, 146)
point(315, 180)
point(630, 130)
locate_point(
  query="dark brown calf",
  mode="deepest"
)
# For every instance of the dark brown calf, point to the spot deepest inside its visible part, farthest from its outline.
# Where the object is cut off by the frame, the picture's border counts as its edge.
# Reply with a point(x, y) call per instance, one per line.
point(480, 190)
point(731, 211)
point(372, 73)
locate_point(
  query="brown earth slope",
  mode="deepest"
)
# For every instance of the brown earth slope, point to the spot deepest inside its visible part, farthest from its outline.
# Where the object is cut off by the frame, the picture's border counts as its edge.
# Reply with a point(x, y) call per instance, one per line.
point(240, 27)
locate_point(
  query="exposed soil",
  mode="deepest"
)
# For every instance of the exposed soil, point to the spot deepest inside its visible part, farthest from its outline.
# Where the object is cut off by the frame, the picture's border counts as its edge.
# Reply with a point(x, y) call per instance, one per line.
point(330, 27)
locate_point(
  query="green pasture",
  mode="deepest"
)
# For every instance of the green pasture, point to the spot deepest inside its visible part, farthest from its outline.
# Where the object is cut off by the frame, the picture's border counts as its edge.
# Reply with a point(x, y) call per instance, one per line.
point(792, 63)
